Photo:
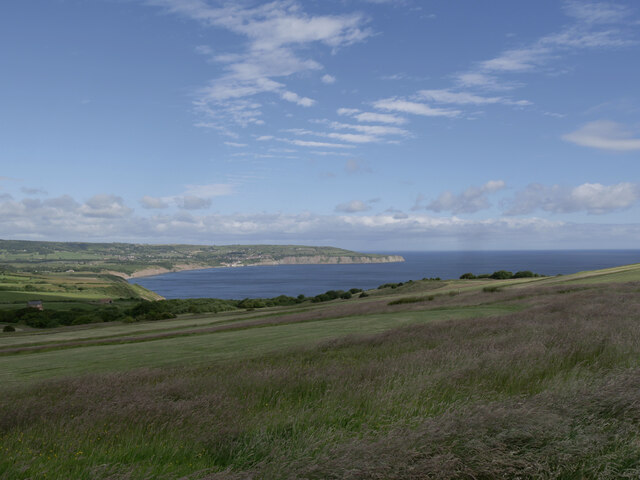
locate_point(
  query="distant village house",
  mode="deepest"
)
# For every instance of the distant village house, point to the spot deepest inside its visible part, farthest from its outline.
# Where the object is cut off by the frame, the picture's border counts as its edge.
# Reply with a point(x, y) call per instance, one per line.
point(37, 304)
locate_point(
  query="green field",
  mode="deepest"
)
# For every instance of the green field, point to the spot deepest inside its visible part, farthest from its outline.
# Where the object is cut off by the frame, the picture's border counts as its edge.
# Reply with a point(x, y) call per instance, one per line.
point(537, 378)
point(57, 290)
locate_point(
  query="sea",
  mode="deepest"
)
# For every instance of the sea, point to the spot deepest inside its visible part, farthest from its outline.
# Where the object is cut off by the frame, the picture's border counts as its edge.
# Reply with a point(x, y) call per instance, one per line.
point(293, 280)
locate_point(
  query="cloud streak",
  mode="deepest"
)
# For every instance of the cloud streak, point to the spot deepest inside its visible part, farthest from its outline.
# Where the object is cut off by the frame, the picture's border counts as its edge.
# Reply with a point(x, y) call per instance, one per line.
point(604, 135)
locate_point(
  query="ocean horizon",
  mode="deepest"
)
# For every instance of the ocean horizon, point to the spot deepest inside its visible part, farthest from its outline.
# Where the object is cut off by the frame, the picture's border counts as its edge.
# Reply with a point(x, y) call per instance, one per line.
point(273, 280)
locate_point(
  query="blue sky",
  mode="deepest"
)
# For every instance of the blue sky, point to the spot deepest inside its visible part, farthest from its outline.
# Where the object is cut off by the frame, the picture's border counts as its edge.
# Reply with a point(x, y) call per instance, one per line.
point(372, 125)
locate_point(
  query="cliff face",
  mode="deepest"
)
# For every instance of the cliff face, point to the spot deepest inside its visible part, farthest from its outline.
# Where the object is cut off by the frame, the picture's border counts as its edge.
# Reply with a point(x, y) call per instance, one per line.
point(331, 260)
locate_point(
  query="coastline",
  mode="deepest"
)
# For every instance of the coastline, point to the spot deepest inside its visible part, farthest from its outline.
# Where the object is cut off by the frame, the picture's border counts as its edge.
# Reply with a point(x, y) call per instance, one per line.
point(315, 260)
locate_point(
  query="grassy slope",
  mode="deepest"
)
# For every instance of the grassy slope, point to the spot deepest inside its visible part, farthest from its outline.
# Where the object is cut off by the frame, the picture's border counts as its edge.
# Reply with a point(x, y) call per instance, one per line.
point(538, 380)
point(18, 288)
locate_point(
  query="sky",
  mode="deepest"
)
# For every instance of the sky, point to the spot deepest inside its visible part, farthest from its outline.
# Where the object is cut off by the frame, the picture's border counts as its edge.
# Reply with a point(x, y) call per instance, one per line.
point(375, 125)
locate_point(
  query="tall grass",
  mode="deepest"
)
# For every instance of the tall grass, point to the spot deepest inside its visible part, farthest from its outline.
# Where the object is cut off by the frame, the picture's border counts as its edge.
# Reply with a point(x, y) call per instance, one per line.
point(549, 392)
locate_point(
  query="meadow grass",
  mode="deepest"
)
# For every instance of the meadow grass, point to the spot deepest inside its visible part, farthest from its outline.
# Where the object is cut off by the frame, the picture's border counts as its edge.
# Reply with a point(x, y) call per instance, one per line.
point(538, 381)
point(205, 347)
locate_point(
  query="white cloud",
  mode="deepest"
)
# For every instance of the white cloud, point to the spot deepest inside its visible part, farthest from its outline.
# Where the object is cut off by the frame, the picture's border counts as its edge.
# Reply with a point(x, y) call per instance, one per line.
point(404, 106)
point(479, 80)
point(263, 138)
point(518, 60)
point(235, 144)
point(347, 111)
point(328, 79)
point(366, 133)
point(192, 202)
point(275, 32)
point(209, 190)
point(61, 219)
point(307, 143)
point(595, 25)
point(593, 198)
point(352, 137)
point(472, 200)
point(598, 12)
point(353, 206)
point(153, 202)
point(295, 98)
point(466, 98)
point(380, 117)
point(376, 130)
point(372, 117)
point(105, 206)
point(604, 135)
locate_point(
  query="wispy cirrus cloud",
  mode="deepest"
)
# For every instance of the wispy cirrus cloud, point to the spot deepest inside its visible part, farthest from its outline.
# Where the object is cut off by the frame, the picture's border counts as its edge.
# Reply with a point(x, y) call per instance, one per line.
point(414, 108)
point(467, 98)
point(372, 117)
point(275, 35)
point(595, 25)
point(364, 133)
point(605, 135)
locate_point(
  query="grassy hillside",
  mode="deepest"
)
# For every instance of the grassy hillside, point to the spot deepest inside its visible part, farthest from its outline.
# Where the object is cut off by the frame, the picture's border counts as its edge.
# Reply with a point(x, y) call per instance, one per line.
point(537, 378)
point(55, 289)
point(128, 258)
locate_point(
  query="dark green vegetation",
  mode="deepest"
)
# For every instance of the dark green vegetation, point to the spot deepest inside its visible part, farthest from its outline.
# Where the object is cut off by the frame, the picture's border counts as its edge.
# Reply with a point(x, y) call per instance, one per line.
point(501, 275)
point(539, 379)
point(128, 258)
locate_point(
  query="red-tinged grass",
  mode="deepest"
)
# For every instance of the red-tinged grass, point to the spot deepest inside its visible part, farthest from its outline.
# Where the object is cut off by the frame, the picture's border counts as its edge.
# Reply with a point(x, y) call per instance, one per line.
point(549, 392)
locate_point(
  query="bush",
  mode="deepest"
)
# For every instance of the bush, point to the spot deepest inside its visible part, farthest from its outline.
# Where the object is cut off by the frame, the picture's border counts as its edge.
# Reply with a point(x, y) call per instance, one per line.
point(8, 328)
point(467, 276)
point(524, 274)
point(501, 275)
point(491, 289)
point(363, 295)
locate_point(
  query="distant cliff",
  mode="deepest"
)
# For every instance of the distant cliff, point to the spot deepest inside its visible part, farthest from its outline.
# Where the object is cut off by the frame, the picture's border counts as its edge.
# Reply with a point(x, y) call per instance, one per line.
point(333, 260)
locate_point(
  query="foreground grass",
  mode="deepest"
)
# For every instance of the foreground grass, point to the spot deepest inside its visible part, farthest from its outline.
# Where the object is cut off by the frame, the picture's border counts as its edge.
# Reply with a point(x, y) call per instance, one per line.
point(205, 347)
point(546, 392)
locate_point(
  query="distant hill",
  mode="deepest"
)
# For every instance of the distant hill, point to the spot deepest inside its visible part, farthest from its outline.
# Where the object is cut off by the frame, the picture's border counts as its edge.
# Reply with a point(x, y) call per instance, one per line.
point(135, 260)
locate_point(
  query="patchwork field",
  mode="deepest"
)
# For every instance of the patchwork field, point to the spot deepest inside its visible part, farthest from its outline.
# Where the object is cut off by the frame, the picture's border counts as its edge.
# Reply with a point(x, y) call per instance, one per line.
point(527, 378)
point(18, 288)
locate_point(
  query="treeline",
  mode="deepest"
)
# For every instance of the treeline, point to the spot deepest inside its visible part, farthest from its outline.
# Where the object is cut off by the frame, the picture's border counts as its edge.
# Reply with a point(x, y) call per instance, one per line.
point(501, 275)
point(159, 310)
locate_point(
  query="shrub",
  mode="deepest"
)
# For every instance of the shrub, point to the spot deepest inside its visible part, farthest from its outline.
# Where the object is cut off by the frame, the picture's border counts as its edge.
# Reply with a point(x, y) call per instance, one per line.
point(491, 289)
point(524, 274)
point(8, 328)
point(467, 276)
point(501, 275)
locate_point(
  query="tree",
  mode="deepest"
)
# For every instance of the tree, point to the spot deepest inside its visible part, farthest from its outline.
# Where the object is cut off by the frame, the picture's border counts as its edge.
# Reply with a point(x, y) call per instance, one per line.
point(501, 275)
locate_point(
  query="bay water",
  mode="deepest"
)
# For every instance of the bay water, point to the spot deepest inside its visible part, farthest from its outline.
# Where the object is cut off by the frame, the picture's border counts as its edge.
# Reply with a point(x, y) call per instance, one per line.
point(271, 281)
